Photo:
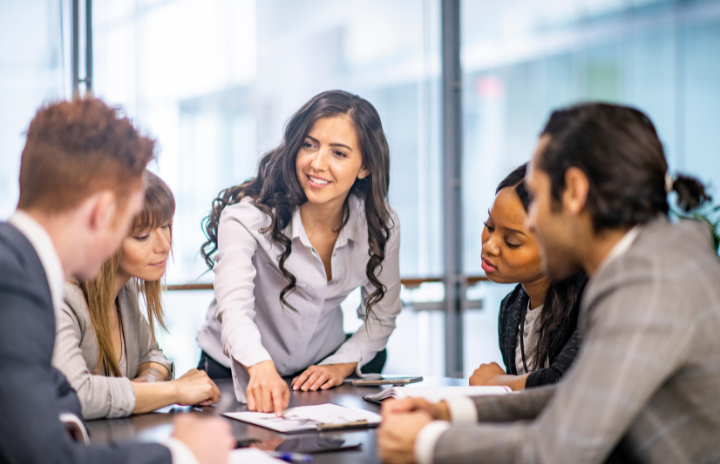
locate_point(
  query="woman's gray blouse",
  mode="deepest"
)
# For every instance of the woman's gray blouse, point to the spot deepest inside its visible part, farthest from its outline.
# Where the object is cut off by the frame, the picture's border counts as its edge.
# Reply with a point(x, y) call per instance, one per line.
point(77, 352)
point(247, 324)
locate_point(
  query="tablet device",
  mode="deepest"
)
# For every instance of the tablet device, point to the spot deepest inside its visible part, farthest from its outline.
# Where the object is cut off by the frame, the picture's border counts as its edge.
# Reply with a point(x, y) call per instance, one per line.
point(305, 444)
point(387, 380)
point(316, 444)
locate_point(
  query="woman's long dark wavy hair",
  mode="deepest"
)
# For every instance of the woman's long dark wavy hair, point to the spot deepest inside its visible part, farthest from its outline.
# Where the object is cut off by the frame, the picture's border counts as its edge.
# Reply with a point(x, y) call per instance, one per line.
point(562, 300)
point(276, 190)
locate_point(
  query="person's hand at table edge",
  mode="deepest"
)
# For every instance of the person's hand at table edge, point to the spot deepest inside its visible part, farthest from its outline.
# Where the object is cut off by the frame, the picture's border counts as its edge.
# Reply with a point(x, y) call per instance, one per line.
point(397, 434)
point(493, 375)
point(437, 411)
point(323, 377)
point(267, 391)
point(209, 438)
point(195, 387)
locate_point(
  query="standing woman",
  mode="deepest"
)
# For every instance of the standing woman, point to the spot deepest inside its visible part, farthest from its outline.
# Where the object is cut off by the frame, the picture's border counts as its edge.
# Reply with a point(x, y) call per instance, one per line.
point(537, 324)
point(104, 344)
point(287, 248)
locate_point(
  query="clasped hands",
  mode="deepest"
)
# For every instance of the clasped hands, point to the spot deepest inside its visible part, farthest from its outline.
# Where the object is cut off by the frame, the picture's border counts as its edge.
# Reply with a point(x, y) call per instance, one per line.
point(402, 421)
point(268, 392)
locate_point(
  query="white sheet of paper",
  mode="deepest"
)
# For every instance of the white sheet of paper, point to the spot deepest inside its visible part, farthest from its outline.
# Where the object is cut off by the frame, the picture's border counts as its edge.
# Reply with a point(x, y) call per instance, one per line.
point(251, 456)
point(306, 417)
point(436, 394)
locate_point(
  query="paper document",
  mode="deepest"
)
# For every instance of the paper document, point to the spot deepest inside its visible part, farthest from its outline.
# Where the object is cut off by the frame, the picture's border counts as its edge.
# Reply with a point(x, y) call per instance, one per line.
point(302, 418)
point(435, 394)
point(251, 456)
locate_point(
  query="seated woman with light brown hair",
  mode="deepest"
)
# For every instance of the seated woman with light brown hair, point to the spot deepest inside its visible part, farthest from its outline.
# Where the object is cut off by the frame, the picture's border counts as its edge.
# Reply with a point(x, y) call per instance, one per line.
point(104, 344)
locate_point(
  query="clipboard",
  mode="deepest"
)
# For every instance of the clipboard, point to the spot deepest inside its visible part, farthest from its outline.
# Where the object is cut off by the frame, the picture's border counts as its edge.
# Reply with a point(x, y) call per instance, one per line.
point(321, 418)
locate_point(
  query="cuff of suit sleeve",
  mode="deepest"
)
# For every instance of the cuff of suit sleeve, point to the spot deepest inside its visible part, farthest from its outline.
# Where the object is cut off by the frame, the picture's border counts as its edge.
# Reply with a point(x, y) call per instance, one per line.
point(462, 410)
point(181, 454)
point(427, 439)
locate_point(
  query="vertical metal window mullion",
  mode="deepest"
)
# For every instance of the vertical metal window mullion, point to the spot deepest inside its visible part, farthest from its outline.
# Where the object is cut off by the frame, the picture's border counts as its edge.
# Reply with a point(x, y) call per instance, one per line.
point(75, 47)
point(88, 47)
point(455, 284)
point(87, 80)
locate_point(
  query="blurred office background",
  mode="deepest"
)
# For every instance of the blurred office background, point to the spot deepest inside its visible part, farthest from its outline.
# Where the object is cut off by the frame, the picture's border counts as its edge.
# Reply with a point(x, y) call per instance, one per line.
point(215, 80)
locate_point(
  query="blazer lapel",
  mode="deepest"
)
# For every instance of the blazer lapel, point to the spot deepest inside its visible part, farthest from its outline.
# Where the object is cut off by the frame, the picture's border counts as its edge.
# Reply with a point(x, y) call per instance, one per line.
point(515, 310)
point(129, 312)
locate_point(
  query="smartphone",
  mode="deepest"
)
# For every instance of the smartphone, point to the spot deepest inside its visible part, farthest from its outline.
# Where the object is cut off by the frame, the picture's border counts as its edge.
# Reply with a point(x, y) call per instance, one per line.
point(388, 380)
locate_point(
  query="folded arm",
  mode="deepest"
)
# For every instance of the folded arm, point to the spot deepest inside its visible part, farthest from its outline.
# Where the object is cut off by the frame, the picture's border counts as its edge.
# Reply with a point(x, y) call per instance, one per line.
point(634, 344)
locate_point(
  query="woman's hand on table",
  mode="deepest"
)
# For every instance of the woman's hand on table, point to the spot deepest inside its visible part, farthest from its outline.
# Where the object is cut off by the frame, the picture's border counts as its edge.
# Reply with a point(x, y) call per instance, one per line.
point(195, 387)
point(267, 391)
point(322, 377)
point(494, 375)
point(485, 374)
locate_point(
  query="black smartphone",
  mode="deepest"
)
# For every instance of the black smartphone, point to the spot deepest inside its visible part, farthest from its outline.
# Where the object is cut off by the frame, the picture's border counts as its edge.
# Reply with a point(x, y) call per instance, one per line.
point(388, 380)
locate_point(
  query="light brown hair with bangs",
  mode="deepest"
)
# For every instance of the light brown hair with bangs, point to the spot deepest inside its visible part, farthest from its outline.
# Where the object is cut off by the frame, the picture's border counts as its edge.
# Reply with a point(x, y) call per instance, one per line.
point(158, 210)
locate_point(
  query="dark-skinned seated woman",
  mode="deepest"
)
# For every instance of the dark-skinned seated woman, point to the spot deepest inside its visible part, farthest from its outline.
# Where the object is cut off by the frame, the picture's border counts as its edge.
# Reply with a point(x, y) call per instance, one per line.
point(537, 323)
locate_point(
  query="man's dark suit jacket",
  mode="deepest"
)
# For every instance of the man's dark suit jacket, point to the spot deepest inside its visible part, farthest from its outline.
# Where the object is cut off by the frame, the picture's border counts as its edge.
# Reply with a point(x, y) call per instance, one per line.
point(32, 392)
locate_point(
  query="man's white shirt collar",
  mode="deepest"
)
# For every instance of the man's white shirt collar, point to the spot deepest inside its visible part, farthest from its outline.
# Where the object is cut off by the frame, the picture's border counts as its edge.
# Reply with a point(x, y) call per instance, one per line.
point(621, 247)
point(41, 241)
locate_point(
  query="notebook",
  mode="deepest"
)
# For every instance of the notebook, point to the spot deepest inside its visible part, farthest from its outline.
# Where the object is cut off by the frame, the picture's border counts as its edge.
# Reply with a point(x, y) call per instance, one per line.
point(303, 418)
point(435, 394)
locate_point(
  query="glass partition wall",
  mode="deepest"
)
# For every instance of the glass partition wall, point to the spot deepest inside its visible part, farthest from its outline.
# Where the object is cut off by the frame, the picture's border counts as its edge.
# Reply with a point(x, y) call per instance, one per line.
point(523, 58)
point(215, 80)
point(32, 71)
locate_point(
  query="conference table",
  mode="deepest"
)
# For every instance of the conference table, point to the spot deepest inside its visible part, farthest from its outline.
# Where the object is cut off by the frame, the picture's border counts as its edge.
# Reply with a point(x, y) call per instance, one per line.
point(157, 426)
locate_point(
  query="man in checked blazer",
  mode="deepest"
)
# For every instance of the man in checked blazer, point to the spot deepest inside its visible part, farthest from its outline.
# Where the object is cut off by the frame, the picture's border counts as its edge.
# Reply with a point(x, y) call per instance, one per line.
point(645, 386)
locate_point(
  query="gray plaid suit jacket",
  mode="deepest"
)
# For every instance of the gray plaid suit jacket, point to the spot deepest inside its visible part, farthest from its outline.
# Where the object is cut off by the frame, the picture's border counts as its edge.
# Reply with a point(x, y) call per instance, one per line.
point(646, 384)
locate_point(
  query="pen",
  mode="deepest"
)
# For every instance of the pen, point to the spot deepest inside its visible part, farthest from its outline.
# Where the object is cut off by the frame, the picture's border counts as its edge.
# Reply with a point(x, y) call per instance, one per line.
point(343, 425)
point(291, 457)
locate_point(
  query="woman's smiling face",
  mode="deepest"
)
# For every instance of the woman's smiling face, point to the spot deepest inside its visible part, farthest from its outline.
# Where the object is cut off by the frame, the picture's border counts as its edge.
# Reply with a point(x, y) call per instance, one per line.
point(510, 252)
point(329, 160)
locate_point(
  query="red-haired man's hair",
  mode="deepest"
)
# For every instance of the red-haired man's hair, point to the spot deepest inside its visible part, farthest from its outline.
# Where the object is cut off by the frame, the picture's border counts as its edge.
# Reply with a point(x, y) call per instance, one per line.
point(77, 148)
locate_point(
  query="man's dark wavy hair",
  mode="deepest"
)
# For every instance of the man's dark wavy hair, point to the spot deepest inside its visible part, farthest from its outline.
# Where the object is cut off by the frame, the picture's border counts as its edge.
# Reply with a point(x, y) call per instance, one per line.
point(618, 149)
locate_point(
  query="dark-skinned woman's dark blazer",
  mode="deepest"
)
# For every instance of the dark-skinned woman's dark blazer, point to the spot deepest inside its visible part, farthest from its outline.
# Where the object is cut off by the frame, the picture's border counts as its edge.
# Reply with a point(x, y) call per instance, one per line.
point(512, 312)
